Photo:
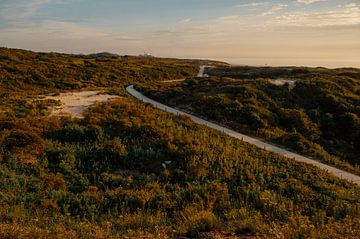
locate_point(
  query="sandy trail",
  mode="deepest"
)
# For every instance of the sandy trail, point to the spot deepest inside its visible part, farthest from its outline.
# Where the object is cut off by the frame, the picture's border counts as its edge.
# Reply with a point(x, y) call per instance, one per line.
point(75, 103)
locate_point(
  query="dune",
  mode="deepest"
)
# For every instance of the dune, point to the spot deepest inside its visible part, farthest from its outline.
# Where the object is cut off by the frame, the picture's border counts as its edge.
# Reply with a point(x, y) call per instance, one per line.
point(75, 103)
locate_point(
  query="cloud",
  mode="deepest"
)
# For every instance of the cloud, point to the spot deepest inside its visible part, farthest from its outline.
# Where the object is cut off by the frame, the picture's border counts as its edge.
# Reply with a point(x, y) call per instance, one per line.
point(54, 30)
point(253, 5)
point(212, 29)
point(309, 1)
point(185, 20)
point(12, 10)
point(273, 9)
point(67, 37)
point(347, 15)
point(182, 32)
point(231, 18)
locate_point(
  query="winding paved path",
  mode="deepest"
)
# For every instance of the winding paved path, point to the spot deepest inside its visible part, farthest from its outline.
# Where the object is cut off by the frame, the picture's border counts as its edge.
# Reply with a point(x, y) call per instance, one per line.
point(337, 172)
point(201, 72)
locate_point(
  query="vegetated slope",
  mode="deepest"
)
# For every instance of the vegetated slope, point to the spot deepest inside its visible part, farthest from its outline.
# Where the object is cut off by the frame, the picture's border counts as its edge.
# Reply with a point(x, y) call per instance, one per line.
point(318, 116)
point(129, 170)
point(26, 73)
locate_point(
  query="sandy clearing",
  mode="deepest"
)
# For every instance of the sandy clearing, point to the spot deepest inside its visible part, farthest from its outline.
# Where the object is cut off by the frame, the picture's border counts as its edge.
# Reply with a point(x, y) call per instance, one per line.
point(75, 103)
point(280, 82)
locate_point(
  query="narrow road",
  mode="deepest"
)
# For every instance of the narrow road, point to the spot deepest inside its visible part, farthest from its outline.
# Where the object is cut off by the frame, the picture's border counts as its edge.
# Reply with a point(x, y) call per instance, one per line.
point(272, 148)
point(202, 70)
point(200, 74)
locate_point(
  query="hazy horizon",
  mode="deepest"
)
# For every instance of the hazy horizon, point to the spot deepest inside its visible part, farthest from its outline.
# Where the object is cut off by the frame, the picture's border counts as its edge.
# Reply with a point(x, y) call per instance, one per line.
point(293, 32)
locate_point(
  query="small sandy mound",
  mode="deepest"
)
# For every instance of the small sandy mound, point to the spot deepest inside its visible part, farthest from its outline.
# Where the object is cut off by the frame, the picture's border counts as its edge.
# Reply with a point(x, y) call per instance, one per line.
point(280, 82)
point(75, 103)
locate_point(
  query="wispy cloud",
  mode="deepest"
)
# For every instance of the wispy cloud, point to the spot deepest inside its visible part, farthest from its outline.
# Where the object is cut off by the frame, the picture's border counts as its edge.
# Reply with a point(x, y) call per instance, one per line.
point(69, 36)
point(309, 1)
point(215, 27)
point(252, 5)
point(12, 10)
point(231, 18)
point(344, 15)
point(185, 20)
point(273, 9)
point(56, 29)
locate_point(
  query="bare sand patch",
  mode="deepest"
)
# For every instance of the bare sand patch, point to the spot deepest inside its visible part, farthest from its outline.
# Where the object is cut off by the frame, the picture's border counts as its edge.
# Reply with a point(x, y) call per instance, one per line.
point(75, 103)
point(280, 82)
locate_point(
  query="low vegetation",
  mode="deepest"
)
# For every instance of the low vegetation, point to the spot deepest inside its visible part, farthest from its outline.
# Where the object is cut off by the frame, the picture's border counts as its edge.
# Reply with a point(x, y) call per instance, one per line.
point(318, 116)
point(127, 170)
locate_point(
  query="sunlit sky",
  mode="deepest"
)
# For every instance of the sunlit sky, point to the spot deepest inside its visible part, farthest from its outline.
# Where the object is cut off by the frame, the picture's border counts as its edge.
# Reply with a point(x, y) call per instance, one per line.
point(292, 32)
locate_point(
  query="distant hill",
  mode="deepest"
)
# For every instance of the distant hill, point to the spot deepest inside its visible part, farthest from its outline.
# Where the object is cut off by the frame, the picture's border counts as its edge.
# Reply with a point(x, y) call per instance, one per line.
point(103, 54)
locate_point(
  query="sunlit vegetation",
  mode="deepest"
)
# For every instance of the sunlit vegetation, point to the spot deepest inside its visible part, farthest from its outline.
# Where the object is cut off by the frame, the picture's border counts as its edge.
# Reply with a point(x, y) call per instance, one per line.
point(127, 170)
point(25, 74)
point(318, 116)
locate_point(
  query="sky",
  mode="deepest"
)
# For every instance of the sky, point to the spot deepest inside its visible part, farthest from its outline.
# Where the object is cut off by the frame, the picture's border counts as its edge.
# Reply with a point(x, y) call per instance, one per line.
point(285, 32)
